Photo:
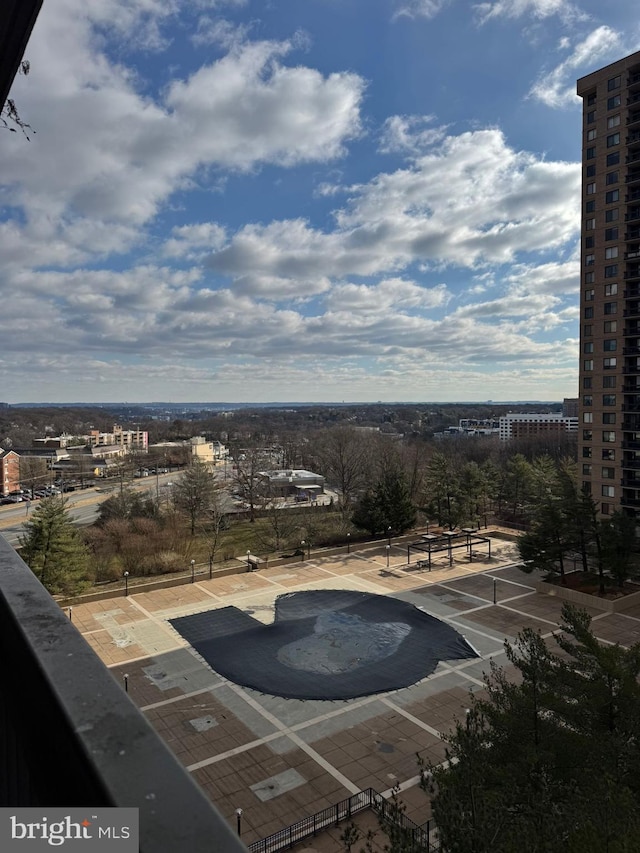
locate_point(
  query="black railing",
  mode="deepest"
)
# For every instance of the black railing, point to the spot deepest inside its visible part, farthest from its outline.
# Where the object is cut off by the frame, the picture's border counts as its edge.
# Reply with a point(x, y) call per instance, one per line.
point(416, 838)
point(61, 710)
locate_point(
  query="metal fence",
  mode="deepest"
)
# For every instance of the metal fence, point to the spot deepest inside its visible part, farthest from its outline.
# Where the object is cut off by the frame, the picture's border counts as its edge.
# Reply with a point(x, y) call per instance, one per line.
point(416, 837)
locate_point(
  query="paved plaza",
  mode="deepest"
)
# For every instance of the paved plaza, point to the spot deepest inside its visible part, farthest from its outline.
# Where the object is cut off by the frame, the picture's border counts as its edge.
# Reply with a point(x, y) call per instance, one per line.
point(281, 759)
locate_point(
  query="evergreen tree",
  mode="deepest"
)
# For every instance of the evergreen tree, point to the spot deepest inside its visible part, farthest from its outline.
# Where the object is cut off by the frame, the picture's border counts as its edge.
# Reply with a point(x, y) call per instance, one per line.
point(548, 761)
point(54, 550)
point(387, 505)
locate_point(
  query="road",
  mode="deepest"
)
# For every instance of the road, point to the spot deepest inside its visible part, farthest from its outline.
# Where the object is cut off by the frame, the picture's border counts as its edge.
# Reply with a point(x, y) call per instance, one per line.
point(82, 505)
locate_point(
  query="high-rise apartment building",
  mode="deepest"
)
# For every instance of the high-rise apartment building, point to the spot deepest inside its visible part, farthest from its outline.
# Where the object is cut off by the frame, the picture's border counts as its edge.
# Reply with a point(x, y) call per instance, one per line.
point(609, 429)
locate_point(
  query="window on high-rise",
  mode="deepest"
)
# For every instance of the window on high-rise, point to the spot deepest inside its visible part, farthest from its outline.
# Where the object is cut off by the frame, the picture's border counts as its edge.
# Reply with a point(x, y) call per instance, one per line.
point(590, 206)
point(613, 159)
point(591, 116)
point(587, 434)
point(587, 382)
point(609, 363)
point(612, 215)
point(614, 83)
point(588, 348)
point(611, 196)
point(587, 417)
point(614, 102)
point(586, 469)
point(612, 177)
point(610, 345)
point(613, 121)
point(590, 154)
point(608, 455)
point(589, 260)
point(588, 364)
point(587, 400)
point(590, 224)
point(611, 289)
point(591, 188)
point(611, 233)
point(608, 399)
point(608, 492)
point(608, 436)
point(587, 330)
point(610, 326)
point(608, 417)
point(613, 139)
point(591, 99)
point(610, 307)
point(591, 135)
point(589, 277)
point(588, 313)
point(589, 242)
point(611, 271)
point(610, 253)
point(609, 381)
point(587, 452)
point(604, 508)
point(590, 171)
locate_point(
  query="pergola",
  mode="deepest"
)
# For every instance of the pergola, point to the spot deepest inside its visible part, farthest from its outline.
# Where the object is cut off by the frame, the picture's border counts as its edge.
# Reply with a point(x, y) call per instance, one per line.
point(447, 542)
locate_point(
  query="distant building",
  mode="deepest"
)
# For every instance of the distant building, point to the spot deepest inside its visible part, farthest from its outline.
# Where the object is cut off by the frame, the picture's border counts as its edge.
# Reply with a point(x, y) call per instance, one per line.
point(9, 471)
point(131, 439)
point(304, 485)
point(570, 406)
point(208, 452)
point(531, 424)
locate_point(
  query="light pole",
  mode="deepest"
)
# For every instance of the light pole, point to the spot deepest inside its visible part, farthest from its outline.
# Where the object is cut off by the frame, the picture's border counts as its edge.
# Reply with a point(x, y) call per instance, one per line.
point(248, 565)
point(126, 583)
point(193, 570)
point(126, 682)
point(210, 567)
point(303, 545)
point(388, 548)
point(348, 543)
point(239, 820)
point(389, 535)
point(70, 609)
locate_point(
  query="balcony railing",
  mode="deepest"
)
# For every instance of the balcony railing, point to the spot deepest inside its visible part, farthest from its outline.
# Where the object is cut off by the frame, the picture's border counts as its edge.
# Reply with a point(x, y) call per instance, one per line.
point(632, 234)
point(60, 709)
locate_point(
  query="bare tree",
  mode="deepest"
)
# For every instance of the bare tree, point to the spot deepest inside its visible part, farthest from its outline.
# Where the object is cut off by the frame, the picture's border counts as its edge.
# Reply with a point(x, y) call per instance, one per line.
point(343, 455)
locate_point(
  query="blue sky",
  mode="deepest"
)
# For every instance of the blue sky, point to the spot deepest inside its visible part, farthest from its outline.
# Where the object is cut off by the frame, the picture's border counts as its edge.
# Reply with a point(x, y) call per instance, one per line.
point(298, 200)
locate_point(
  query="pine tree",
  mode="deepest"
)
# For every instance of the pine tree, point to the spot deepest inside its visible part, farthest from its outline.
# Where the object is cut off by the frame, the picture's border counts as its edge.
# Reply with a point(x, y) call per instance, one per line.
point(54, 549)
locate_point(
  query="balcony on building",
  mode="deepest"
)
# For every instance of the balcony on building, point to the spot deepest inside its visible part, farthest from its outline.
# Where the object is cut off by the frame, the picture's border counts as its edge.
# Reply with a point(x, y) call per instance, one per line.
point(62, 710)
point(632, 272)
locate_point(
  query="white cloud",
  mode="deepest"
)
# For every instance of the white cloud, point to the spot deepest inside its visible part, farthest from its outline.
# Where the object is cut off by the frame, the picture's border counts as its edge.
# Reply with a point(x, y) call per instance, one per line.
point(494, 204)
point(556, 88)
point(419, 8)
point(393, 294)
point(410, 134)
point(535, 8)
point(108, 152)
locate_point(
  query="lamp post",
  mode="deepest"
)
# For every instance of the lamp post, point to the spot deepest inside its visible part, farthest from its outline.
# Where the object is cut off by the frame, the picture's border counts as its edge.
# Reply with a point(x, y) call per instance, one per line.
point(303, 545)
point(387, 548)
point(193, 570)
point(126, 682)
point(126, 583)
point(249, 560)
point(348, 543)
point(210, 567)
point(70, 610)
point(389, 535)
point(239, 820)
